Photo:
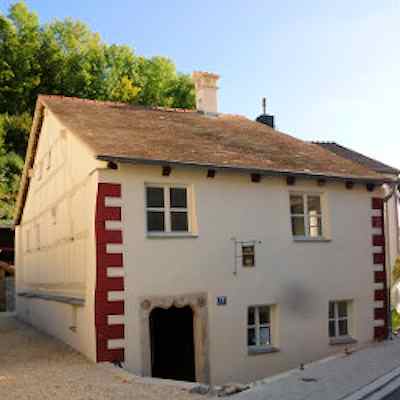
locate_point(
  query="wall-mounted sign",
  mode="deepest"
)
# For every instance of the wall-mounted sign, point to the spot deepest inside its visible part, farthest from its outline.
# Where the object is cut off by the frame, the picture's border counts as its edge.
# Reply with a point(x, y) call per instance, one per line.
point(248, 255)
point(221, 301)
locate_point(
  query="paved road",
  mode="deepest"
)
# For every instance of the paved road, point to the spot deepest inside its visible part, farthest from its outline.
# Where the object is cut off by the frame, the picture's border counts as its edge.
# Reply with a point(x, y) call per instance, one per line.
point(394, 395)
point(341, 378)
point(36, 367)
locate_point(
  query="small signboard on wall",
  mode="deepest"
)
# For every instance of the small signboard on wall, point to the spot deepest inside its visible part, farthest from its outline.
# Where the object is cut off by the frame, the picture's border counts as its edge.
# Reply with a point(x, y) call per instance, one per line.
point(221, 301)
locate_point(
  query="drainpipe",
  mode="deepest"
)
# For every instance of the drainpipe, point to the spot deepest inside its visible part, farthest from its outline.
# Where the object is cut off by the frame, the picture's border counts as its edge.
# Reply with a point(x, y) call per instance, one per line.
point(392, 193)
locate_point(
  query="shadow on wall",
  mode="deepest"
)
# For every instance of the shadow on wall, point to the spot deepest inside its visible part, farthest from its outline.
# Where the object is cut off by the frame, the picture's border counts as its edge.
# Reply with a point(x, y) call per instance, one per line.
point(298, 298)
point(7, 288)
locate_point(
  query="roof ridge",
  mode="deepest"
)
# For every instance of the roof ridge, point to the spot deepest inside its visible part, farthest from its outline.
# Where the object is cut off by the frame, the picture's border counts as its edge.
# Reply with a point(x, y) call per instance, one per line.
point(114, 103)
point(137, 106)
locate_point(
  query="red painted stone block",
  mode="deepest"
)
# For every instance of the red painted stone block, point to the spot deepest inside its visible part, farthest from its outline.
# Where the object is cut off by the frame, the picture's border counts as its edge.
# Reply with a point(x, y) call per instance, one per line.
point(379, 295)
point(110, 307)
point(110, 260)
point(379, 258)
point(380, 332)
point(378, 240)
point(379, 314)
point(109, 190)
point(111, 331)
point(379, 276)
point(113, 236)
point(377, 203)
point(104, 236)
point(377, 222)
point(113, 284)
point(111, 213)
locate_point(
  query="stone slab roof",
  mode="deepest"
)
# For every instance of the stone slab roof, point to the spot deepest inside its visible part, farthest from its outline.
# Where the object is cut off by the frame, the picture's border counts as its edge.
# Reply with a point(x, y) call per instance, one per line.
point(359, 158)
point(186, 136)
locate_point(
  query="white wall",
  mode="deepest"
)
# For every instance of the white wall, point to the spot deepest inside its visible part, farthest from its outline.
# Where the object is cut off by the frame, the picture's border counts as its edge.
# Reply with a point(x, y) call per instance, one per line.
point(391, 228)
point(300, 278)
point(392, 243)
point(59, 256)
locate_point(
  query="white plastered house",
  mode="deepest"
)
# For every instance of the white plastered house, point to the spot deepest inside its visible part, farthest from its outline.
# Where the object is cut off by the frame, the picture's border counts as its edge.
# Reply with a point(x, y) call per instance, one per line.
point(193, 245)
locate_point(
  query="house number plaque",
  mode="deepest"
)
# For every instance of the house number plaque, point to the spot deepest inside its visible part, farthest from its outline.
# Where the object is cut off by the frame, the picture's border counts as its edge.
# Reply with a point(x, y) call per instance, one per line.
point(221, 301)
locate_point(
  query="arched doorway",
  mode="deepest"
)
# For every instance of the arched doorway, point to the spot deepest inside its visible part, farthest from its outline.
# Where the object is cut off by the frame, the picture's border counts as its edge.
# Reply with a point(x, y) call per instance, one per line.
point(172, 343)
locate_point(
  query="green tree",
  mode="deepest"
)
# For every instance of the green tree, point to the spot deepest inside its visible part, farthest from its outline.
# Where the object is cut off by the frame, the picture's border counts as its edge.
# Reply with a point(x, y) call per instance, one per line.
point(13, 132)
point(160, 82)
point(19, 66)
point(67, 58)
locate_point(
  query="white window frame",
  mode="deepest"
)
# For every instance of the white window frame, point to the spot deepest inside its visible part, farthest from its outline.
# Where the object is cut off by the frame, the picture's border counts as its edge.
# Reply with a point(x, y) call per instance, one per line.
point(336, 318)
point(257, 327)
point(167, 209)
point(305, 215)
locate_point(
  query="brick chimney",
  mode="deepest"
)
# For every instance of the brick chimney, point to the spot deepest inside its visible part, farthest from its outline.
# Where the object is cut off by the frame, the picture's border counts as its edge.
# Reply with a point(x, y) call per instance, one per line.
point(206, 91)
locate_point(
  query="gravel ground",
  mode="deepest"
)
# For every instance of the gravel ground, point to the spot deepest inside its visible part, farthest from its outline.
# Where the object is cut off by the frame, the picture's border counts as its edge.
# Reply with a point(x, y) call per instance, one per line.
point(37, 367)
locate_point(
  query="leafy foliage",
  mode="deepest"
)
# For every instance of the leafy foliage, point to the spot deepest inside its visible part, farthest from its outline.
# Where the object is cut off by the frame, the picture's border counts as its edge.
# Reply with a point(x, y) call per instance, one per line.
point(395, 321)
point(66, 57)
point(396, 271)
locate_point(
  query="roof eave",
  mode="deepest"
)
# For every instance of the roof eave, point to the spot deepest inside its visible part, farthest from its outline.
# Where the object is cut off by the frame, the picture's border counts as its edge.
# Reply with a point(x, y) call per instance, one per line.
point(264, 172)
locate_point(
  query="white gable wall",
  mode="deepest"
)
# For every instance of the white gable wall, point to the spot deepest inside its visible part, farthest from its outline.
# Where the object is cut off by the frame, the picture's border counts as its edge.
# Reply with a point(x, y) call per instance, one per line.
point(300, 278)
point(55, 240)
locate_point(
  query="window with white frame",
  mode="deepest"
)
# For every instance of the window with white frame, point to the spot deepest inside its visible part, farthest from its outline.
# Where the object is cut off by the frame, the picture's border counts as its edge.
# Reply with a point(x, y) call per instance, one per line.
point(259, 334)
point(167, 208)
point(306, 215)
point(339, 319)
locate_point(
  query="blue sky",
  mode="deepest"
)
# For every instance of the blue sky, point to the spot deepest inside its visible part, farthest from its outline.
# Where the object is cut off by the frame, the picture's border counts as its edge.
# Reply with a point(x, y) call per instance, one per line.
point(329, 69)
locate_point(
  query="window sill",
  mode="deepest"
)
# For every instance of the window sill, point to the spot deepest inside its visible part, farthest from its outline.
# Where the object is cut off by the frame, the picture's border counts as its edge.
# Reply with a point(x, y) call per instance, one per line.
point(262, 350)
point(311, 239)
point(171, 235)
point(342, 340)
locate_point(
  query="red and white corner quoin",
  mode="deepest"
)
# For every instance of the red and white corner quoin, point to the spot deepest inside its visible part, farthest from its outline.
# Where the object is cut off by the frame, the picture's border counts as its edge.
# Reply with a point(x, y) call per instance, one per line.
point(380, 294)
point(106, 281)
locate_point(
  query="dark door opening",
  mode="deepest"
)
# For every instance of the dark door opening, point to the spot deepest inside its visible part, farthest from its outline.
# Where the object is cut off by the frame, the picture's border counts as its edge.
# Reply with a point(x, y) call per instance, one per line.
point(172, 343)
